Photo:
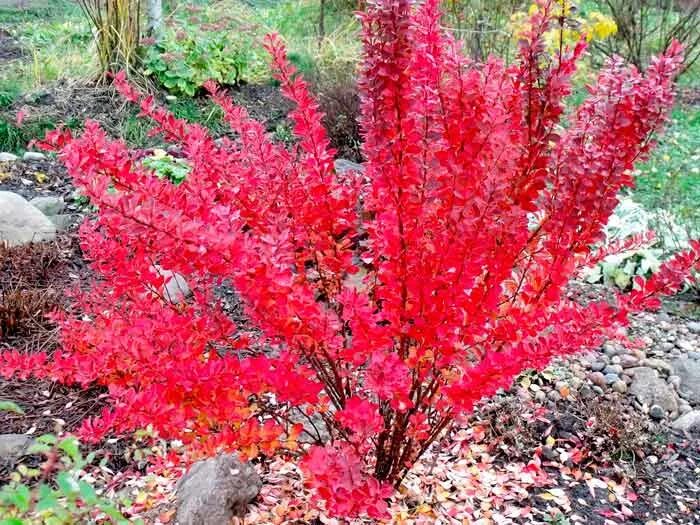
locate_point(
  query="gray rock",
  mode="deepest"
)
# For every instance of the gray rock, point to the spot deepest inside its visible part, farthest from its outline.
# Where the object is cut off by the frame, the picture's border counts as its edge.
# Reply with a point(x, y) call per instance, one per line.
point(553, 395)
point(597, 366)
point(666, 346)
point(689, 372)
point(215, 490)
point(7, 157)
point(344, 165)
point(657, 364)
point(694, 327)
point(175, 287)
point(22, 223)
point(586, 392)
point(48, 205)
point(694, 355)
point(612, 369)
point(650, 389)
point(611, 379)
point(620, 387)
point(686, 346)
point(14, 445)
point(687, 422)
point(597, 378)
point(64, 221)
point(628, 361)
point(656, 412)
point(33, 156)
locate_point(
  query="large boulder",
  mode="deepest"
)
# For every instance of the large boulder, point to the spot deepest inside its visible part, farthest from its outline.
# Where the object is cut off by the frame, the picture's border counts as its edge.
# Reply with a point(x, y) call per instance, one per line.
point(689, 372)
point(650, 389)
point(688, 422)
point(215, 490)
point(22, 223)
point(49, 205)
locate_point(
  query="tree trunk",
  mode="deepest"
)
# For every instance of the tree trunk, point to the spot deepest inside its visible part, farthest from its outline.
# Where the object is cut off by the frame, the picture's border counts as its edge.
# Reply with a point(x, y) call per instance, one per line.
point(155, 19)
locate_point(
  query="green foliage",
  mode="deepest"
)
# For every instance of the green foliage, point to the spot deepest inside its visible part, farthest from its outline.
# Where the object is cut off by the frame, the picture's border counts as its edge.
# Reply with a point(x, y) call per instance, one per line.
point(28, 499)
point(195, 50)
point(15, 139)
point(167, 167)
point(670, 179)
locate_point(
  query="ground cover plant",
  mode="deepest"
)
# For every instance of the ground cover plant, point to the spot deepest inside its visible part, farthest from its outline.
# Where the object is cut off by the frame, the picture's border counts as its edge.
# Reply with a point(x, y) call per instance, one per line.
point(387, 302)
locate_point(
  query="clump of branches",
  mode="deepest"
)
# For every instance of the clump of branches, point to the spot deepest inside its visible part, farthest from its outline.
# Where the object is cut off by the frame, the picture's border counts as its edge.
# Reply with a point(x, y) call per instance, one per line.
point(482, 25)
point(116, 28)
point(647, 26)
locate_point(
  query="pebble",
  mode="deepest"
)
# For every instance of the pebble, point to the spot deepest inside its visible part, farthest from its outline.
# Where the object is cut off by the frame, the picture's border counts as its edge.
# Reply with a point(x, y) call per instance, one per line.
point(7, 157)
point(620, 387)
point(628, 361)
point(686, 346)
point(666, 346)
point(674, 381)
point(694, 355)
point(33, 156)
point(694, 327)
point(553, 395)
point(586, 392)
point(597, 366)
point(612, 369)
point(657, 364)
point(540, 396)
point(656, 412)
point(597, 378)
point(611, 378)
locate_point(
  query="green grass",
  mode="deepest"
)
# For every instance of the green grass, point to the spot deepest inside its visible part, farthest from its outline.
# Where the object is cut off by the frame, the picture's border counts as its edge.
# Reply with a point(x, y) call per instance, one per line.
point(670, 179)
point(57, 42)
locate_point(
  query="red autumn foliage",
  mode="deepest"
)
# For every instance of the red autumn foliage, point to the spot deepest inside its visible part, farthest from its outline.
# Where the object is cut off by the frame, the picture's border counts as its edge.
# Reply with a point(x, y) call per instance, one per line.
point(386, 304)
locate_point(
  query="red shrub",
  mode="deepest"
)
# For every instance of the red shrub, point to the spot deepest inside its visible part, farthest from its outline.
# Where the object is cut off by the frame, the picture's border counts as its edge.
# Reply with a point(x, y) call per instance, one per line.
point(390, 318)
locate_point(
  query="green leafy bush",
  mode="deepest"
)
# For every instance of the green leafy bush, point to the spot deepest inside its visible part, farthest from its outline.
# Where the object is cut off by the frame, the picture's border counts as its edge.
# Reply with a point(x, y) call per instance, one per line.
point(167, 167)
point(194, 51)
point(29, 499)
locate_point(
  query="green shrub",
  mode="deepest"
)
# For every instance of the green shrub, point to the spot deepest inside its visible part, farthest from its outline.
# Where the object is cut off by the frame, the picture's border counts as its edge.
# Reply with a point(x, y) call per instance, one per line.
point(28, 499)
point(194, 51)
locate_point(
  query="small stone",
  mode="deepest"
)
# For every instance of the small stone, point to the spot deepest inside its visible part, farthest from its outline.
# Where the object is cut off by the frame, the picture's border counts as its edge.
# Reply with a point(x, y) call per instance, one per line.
point(611, 378)
point(598, 390)
point(586, 392)
point(597, 366)
point(550, 454)
point(615, 360)
point(612, 369)
point(687, 422)
point(620, 387)
point(33, 156)
point(597, 378)
point(14, 445)
point(540, 396)
point(652, 459)
point(7, 157)
point(694, 327)
point(666, 346)
point(686, 346)
point(628, 361)
point(48, 205)
point(553, 395)
point(694, 355)
point(343, 166)
point(656, 412)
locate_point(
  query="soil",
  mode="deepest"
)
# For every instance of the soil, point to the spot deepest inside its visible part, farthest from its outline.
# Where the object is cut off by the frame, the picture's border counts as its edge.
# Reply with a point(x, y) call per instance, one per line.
point(10, 49)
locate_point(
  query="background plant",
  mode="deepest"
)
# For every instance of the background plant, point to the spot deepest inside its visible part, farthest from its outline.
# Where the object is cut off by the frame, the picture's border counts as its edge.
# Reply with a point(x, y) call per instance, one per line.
point(195, 49)
point(647, 26)
point(116, 29)
point(57, 492)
